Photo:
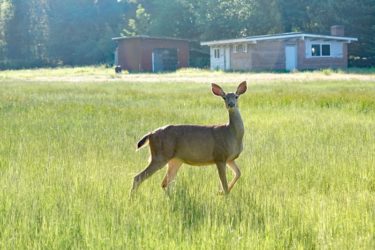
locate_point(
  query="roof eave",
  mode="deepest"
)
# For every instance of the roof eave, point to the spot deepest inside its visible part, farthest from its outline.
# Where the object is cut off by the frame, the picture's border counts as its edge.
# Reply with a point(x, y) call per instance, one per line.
point(302, 36)
point(148, 37)
point(225, 42)
point(117, 38)
point(339, 38)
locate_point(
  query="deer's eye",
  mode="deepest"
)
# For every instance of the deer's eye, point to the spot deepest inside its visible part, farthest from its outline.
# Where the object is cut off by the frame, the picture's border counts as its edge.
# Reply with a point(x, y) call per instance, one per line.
point(236, 96)
point(224, 98)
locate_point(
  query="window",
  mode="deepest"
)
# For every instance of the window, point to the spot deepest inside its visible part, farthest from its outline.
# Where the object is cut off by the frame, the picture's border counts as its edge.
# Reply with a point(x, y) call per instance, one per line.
point(326, 50)
point(315, 49)
point(217, 53)
point(320, 50)
point(240, 48)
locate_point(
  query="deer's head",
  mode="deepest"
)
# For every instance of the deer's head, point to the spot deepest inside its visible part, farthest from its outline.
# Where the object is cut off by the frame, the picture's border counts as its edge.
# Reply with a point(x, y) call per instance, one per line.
point(231, 99)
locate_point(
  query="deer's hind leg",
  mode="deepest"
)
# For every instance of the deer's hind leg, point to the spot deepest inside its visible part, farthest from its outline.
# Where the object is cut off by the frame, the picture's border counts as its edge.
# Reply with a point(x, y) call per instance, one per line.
point(152, 167)
point(173, 167)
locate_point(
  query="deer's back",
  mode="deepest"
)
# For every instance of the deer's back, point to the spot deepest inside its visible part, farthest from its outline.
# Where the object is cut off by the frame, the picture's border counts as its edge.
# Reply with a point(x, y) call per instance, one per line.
point(195, 145)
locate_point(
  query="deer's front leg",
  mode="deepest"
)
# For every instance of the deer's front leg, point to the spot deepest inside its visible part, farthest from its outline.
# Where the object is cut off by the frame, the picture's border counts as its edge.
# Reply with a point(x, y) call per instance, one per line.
point(221, 168)
point(236, 171)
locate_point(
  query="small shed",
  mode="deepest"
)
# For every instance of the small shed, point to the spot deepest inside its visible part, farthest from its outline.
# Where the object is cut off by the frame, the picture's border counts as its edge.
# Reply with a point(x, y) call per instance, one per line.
point(286, 51)
point(151, 54)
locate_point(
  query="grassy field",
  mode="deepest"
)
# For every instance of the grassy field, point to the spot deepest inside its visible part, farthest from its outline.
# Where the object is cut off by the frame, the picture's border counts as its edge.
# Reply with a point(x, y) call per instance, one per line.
point(67, 160)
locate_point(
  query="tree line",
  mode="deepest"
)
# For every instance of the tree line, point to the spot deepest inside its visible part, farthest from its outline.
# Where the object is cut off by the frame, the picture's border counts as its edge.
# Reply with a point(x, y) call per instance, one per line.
point(36, 33)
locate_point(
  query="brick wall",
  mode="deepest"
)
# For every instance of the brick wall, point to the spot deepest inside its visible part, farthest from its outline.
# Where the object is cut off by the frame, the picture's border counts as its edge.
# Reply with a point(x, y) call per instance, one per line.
point(129, 54)
point(321, 62)
point(241, 60)
point(268, 55)
point(135, 54)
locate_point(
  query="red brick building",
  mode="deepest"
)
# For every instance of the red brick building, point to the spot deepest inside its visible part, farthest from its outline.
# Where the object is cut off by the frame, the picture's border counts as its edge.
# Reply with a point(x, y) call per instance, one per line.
point(152, 54)
point(286, 51)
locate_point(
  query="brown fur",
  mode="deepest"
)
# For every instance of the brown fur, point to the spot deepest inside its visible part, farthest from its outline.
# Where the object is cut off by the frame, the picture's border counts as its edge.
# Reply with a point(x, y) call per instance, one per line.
point(197, 145)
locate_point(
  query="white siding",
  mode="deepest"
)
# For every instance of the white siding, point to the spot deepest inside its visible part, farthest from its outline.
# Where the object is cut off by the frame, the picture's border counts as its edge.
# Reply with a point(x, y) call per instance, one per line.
point(337, 49)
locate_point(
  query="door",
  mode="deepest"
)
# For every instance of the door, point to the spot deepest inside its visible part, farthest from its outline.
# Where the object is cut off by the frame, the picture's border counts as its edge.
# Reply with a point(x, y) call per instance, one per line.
point(227, 58)
point(164, 60)
point(290, 57)
point(217, 58)
point(116, 57)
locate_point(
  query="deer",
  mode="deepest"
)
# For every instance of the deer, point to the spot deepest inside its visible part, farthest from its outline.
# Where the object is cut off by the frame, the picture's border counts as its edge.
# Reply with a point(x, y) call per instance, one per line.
point(197, 145)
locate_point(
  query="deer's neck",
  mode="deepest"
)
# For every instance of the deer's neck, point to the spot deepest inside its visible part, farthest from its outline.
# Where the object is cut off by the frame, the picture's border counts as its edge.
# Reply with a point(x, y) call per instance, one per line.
point(235, 123)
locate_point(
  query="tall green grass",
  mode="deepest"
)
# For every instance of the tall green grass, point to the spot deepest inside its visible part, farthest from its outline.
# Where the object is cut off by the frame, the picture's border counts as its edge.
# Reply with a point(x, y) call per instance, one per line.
point(67, 158)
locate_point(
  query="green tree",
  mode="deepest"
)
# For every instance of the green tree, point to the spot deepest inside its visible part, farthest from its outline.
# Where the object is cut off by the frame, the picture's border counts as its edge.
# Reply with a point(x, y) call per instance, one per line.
point(172, 18)
point(140, 24)
point(6, 11)
point(17, 34)
point(39, 30)
point(359, 20)
point(238, 18)
point(25, 32)
point(81, 31)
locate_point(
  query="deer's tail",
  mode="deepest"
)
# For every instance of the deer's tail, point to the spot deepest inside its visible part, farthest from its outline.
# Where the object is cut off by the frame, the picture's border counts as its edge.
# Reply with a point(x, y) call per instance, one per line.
point(143, 141)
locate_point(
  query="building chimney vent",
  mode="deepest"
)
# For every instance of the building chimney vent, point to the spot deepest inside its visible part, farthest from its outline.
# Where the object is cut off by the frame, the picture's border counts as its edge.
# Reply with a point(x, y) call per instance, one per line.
point(337, 30)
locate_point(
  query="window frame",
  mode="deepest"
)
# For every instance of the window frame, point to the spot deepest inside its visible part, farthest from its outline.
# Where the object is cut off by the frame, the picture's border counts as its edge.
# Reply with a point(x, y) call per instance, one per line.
point(312, 45)
point(243, 48)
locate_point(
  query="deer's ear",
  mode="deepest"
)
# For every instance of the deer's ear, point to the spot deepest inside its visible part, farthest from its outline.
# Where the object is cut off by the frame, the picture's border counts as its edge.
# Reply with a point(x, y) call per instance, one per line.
point(241, 88)
point(217, 90)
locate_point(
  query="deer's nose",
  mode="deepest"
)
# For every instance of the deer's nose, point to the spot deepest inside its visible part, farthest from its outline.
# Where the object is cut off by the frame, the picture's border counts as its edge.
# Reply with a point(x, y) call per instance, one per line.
point(231, 104)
